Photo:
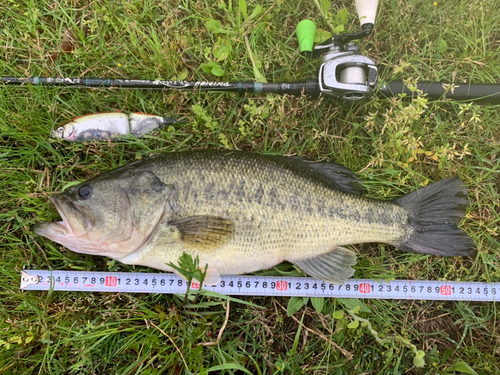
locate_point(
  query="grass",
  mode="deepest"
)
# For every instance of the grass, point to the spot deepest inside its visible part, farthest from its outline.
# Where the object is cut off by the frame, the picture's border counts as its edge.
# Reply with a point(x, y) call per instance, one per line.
point(395, 146)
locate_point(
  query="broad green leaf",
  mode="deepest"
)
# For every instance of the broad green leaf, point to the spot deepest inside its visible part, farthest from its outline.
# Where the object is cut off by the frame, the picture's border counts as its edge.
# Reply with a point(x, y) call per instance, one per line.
point(182, 75)
point(257, 11)
point(243, 8)
point(213, 26)
point(294, 305)
point(325, 6)
point(339, 314)
point(446, 354)
point(339, 29)
point(218, 71)
point(216, 27)
point(259, 77)
point(322, 35)
point(353, 324)
point(442, 46)
point(222, 49)
point(207, 67)
point(256, 64)
point(212, 68)
point(343, 16)
point(351, 303)
point(318, 303)
point(461, 367)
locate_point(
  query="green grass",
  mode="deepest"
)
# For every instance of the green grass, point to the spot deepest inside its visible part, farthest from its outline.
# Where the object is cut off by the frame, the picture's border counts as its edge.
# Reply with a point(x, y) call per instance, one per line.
point(395, 146)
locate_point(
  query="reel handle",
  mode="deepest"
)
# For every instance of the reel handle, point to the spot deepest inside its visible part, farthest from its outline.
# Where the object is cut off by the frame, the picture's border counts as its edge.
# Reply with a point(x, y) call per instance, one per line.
point(306, 31)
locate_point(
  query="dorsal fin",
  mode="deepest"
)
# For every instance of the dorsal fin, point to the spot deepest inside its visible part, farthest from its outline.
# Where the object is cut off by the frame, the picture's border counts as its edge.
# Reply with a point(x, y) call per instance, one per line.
point(334, 175)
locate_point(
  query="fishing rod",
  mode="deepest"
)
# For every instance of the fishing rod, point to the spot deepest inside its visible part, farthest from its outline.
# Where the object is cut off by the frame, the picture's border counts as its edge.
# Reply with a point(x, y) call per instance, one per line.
point(344, 90)
point(310, 87)
point(344, 73)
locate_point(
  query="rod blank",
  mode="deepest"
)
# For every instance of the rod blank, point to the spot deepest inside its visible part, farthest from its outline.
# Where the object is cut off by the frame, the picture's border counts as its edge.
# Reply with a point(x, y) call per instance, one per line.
point(309, 87)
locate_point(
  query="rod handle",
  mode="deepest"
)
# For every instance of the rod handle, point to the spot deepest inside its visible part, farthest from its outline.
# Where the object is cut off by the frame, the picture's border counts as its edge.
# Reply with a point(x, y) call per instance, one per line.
point(485, 93)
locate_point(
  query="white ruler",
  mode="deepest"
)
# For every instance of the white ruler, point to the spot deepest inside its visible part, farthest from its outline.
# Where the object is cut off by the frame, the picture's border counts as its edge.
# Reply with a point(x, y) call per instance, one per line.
point(127, 282)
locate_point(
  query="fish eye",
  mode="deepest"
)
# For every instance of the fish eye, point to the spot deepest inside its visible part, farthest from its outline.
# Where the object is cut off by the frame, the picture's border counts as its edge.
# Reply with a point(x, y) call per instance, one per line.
point(85, 192)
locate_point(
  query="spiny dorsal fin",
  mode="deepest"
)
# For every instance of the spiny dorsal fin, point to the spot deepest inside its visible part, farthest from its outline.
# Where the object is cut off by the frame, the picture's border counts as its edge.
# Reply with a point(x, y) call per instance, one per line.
point(203, 233)
point(334, 175)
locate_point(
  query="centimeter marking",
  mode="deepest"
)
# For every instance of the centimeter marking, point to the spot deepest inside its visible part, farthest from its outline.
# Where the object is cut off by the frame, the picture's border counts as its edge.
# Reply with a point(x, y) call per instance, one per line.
point(168, 283)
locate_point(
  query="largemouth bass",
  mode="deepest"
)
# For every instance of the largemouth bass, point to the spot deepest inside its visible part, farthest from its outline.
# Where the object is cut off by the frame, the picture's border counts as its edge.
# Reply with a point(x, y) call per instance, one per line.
point(243, 212)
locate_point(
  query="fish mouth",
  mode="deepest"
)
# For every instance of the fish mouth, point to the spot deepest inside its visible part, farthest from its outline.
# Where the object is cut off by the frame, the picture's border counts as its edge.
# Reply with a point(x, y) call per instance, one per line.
point(57, 133)
point(51, 230)
point(74, 222)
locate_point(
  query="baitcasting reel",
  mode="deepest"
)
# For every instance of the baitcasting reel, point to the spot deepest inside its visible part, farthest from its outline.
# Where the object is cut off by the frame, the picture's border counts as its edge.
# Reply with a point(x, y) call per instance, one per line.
point(343, 73)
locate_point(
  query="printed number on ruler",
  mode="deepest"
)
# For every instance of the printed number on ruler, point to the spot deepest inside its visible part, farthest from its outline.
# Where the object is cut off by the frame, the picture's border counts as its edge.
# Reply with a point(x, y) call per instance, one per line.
point(259, 286)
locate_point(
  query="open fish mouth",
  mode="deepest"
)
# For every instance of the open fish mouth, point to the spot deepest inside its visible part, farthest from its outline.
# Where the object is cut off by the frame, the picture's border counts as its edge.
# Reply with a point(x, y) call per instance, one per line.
point(74, 222)
point(51, 230)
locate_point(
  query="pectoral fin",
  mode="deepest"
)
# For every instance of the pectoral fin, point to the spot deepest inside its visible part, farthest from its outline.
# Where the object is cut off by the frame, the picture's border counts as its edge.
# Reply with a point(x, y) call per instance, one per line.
point(333, 267)
point(203, 233)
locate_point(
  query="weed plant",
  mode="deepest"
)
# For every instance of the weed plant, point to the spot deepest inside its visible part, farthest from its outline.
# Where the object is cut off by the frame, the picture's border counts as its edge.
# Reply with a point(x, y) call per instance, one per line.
point(395, 145)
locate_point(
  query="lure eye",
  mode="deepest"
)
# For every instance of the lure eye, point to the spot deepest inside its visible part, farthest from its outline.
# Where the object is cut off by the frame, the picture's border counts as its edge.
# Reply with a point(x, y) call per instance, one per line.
point(85, 192)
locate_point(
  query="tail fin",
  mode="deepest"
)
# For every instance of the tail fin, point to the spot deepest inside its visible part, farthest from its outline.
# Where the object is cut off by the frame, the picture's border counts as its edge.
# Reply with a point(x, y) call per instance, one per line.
point(436, 210)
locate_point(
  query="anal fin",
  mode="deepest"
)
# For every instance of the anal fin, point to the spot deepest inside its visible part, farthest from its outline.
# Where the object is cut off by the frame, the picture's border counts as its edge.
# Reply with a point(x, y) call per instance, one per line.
point(212, 277)
point(333, 267)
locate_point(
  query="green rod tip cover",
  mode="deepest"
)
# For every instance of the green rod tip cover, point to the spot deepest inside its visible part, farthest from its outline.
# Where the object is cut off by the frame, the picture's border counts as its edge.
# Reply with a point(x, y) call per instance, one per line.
point(306, 31)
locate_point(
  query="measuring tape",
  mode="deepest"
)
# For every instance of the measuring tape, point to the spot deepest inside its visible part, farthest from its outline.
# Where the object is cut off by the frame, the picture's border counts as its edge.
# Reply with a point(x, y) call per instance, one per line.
point(127, 282)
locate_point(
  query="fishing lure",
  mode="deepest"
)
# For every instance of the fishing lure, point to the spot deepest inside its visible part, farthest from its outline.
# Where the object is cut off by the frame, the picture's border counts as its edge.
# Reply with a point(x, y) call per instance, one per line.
point(109, 125)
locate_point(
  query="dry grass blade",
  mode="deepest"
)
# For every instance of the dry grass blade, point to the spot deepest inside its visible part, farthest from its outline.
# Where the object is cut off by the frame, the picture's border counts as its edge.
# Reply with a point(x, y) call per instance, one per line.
point(172, 341)
point(219, 336)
